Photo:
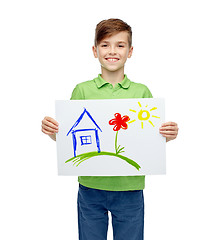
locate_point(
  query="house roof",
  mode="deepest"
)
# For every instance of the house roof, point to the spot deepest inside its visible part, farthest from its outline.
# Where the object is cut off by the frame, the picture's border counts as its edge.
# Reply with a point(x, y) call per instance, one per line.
point(81, 117)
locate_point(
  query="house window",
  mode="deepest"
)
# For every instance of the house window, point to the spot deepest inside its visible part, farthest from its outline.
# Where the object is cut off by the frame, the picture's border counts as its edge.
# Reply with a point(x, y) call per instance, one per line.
point(86, 140)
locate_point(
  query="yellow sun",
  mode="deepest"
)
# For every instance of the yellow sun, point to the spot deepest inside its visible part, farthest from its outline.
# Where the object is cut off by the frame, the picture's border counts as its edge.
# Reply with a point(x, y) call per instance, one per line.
point(144, 115)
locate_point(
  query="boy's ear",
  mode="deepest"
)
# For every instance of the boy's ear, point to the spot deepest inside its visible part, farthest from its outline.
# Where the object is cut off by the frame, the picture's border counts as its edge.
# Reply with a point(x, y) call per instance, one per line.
point(94, 51)
point(130, 52)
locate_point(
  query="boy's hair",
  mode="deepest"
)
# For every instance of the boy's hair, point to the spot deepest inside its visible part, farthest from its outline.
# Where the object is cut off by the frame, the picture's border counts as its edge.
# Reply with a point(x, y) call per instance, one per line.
point(107, 28)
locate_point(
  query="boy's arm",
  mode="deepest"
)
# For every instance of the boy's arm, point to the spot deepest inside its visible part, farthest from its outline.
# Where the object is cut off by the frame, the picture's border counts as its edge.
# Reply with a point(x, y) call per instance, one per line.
point(50, 125)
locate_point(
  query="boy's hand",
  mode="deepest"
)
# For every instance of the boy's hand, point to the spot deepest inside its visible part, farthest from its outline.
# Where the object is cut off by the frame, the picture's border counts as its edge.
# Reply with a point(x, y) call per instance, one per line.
point(50, 127)
point(169, 130)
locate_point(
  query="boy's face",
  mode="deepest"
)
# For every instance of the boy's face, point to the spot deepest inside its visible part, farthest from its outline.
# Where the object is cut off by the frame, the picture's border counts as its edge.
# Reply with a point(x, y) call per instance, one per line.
point(113, 52)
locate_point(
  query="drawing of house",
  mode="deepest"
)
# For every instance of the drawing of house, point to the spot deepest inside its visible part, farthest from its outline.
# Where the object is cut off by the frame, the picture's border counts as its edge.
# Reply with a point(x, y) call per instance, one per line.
point(83, 137)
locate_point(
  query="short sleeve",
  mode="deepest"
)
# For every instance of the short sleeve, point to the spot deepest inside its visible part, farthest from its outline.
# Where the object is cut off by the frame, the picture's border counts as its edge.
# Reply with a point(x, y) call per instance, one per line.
point(76, 94)
point(147, 93)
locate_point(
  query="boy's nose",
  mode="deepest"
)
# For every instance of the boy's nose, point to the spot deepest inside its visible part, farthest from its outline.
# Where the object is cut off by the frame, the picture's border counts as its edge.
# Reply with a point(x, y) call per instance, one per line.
point(112, 50)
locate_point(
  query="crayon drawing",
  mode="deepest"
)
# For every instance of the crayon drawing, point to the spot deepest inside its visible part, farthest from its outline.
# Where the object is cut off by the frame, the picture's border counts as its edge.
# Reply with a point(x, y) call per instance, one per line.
point(110, 137)
point(88, 134)
point(118, 121)
point(144, 115)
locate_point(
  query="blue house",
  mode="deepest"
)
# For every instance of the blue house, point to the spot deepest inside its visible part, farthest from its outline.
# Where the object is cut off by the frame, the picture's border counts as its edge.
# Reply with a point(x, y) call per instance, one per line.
point(85, 136)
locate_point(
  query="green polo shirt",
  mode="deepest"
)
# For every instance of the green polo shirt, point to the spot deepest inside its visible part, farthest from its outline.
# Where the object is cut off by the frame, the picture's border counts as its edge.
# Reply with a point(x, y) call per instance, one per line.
point(98, 88)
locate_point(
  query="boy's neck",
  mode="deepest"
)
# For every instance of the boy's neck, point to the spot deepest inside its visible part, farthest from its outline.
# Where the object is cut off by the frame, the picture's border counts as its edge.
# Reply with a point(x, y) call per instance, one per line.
point(113, 77)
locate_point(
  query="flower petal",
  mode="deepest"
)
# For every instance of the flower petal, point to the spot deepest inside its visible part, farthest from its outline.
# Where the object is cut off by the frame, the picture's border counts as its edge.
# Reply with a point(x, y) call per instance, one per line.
point(125, 118)
point(113, 121)
point(117, 127)
point(117, 116)
point(124, 126)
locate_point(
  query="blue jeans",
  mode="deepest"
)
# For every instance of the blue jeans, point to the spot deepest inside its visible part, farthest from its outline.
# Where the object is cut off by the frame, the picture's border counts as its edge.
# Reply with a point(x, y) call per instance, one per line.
point(127, 211)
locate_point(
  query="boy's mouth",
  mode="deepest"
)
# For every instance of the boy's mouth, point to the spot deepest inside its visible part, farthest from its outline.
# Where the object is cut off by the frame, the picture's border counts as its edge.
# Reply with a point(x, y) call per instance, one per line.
point(112, 59)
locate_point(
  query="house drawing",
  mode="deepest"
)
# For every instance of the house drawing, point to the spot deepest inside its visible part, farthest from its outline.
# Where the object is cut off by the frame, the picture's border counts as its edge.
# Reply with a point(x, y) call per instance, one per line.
point(84, 137)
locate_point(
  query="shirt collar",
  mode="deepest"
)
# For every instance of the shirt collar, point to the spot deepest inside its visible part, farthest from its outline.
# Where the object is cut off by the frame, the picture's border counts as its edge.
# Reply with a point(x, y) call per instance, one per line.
point(125, 82)
point(101, 82)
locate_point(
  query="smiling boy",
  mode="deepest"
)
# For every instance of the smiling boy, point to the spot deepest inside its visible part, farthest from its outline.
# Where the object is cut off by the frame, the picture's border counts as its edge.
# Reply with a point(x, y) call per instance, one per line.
point(121, 195)
point(112, 52)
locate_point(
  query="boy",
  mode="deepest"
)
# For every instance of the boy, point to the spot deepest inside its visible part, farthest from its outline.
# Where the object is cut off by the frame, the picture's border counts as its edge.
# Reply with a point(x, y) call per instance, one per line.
point(121, 195)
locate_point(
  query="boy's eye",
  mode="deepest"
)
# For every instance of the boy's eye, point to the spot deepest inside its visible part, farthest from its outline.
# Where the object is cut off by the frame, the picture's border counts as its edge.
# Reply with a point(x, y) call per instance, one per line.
point(121, 46)
point(104, 45)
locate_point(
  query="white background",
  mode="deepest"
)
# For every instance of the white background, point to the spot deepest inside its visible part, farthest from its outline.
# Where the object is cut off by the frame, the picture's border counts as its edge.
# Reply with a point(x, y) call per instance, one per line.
point(45, 50)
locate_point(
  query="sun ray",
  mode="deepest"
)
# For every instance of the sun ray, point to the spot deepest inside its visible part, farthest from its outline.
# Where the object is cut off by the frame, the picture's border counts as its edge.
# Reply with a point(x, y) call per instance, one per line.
point(132, 121)
point(151, 123)
point(132, 110)
point(142, 124)
point(139, 104)
point(153, 109)
point(155, 116)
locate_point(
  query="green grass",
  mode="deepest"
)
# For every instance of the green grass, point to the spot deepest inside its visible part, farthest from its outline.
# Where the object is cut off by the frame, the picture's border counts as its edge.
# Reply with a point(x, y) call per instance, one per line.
point(85, 156)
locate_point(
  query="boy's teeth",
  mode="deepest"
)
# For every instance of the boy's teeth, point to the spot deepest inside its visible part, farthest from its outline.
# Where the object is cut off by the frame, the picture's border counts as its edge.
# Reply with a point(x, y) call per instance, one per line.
point(112, 59)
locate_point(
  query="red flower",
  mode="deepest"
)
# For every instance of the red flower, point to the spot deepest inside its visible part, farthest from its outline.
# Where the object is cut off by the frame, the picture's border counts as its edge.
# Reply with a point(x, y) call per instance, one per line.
point(119, 122)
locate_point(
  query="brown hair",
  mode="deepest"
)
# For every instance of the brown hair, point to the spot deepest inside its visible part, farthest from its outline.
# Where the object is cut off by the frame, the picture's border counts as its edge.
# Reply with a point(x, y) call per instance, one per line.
point(107, 28)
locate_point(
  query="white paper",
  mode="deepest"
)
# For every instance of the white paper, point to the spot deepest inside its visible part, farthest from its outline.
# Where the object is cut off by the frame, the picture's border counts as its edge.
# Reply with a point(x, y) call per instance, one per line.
point(84, 129)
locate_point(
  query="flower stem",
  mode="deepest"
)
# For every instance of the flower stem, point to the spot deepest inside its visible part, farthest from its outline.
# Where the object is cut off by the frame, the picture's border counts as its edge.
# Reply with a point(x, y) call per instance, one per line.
point(116, 143)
